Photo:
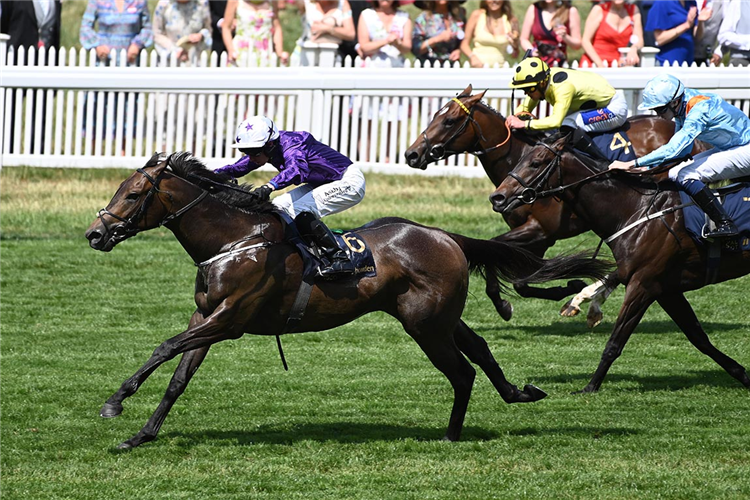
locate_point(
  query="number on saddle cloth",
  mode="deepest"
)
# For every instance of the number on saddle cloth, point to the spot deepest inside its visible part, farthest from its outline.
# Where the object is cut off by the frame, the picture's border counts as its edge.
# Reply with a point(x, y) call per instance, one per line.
point(298, 232)
point(615, 144)
point(737, 205)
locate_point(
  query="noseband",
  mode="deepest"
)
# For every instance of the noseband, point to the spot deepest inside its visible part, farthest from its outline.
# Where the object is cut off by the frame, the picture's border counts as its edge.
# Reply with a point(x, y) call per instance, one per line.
point(440, 151)
point(130, 225)
point(532, 190)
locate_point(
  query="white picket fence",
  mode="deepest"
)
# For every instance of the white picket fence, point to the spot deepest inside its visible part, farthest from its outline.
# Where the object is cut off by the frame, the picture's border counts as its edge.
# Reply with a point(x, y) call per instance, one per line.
point(82, 115)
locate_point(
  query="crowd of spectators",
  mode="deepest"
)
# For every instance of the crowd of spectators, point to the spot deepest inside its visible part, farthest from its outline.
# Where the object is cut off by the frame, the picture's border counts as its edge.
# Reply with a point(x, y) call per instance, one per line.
point(438, 31)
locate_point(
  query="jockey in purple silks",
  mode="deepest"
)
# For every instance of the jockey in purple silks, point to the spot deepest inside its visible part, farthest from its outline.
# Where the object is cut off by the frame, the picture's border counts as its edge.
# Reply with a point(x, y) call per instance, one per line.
point(328, 182)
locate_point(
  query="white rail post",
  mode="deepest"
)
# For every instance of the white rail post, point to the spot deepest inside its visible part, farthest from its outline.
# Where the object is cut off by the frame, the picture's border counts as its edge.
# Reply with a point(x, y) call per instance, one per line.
point(3, 51)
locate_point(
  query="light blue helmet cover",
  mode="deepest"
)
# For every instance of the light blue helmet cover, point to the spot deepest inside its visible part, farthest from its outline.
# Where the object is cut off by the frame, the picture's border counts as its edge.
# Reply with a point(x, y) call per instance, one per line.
point(660, 91)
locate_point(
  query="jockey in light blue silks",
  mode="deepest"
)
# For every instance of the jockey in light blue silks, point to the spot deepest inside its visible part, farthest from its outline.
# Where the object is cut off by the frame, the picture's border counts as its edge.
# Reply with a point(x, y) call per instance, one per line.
point(704, 116)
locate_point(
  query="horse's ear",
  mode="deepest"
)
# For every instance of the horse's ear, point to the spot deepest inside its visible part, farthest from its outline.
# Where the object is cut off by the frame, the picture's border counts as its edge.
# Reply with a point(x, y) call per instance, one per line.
point(476, 98)
point(468, 90)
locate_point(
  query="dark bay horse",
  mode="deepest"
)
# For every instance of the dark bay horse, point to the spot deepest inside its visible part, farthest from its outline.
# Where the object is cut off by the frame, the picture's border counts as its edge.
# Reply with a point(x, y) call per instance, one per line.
point(249, 275)
point(467, 124)
point(657, 260)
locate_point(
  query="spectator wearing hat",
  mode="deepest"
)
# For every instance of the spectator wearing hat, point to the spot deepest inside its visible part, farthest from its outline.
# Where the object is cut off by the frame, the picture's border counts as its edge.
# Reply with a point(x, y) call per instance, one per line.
point(554, 26)
point(438, 31)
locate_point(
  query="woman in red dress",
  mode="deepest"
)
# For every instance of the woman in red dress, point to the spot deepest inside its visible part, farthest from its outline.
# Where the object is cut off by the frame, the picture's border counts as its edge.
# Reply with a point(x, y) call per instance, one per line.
point(555, 26)
point(610, 26)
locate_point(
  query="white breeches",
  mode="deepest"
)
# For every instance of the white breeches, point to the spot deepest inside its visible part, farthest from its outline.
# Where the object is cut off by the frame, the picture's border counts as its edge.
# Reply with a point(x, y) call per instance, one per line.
point(713, 165)
point(327, 199)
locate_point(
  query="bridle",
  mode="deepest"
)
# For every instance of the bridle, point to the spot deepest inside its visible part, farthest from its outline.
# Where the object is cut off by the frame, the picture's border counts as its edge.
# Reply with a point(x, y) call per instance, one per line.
point(532, 189)
point(441, 151)
point(130, 224)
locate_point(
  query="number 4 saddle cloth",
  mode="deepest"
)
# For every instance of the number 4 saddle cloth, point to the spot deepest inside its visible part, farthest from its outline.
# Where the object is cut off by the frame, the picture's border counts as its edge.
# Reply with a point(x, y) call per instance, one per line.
point(615, 144)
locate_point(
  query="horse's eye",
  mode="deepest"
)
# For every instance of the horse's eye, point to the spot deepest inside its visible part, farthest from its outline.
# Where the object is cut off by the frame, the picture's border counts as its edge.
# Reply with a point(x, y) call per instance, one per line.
point(133, 196)
point(449, 122)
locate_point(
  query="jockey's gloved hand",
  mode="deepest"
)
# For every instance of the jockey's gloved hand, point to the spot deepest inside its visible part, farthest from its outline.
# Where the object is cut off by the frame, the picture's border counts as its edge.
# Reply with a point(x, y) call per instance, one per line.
point(232, 180)
point(263, 192)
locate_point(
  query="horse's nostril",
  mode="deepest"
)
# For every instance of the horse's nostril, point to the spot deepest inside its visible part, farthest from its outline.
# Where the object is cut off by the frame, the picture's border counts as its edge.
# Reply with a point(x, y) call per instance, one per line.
point(497, 199)
point(93, 236)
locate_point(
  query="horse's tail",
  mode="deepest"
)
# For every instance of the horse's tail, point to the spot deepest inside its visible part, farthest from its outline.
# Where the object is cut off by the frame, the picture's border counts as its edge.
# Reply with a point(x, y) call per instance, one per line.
point(513, 264)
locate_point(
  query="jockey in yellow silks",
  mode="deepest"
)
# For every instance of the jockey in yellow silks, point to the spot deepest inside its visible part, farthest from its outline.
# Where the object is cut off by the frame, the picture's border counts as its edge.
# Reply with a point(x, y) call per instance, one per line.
point(580, 100)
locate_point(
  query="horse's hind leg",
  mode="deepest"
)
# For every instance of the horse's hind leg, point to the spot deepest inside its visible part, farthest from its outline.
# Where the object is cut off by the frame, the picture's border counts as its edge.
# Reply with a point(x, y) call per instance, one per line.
point(187, 367)
point(479, 353)
point(678, 308)
point(446, 357)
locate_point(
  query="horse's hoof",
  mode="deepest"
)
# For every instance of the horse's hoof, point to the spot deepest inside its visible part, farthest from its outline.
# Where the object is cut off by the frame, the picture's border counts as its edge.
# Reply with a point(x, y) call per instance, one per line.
point(125, 445)
point(504, 309)
point(111, 410)
point(533, 393)
point(594, 319)
point(569, 310)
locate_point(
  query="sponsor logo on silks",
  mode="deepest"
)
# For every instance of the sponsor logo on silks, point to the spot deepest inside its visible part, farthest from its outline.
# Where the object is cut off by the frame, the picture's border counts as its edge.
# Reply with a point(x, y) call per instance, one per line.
point(597, 115)
point(336, 190)
point(364, 269)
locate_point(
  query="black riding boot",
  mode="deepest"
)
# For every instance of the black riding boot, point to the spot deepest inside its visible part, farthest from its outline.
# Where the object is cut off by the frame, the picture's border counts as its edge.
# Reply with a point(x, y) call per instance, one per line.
point(583, 142)
point(725, 227)
point(338, 264)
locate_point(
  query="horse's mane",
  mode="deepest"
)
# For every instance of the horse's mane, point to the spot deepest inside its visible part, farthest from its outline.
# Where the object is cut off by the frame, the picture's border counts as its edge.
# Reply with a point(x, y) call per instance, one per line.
point(529, 137)
point(188, 167)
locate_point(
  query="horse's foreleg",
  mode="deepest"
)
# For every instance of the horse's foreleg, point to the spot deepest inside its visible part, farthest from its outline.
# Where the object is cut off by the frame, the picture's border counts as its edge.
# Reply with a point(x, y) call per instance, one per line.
point(479, 353)
point(596, 293)
point(637, 301)
point(205, 333)
point(503, 307)
point(189, 364)
point(678, 308)
point(525, 236)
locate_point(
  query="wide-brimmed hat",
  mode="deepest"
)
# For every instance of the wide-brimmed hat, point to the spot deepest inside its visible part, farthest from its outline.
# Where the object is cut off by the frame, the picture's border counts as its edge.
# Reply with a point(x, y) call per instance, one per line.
point(423, 5)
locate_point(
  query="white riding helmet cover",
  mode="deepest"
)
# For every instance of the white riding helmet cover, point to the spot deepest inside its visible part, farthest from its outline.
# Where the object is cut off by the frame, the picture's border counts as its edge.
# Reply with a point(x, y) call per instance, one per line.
point(660, 91)
point(255, 132)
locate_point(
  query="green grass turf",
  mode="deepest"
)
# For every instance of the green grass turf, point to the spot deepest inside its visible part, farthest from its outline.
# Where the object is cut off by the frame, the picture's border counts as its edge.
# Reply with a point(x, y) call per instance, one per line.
point(361, 412)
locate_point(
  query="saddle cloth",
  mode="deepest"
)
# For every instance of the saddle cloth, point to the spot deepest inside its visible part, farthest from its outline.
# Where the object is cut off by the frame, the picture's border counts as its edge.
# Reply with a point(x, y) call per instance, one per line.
point(736, 204)
point(615, 144)
point(350, 242)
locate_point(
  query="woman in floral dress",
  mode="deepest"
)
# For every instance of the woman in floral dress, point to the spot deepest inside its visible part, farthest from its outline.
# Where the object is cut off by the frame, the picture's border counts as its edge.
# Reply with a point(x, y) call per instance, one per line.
point(257, 35)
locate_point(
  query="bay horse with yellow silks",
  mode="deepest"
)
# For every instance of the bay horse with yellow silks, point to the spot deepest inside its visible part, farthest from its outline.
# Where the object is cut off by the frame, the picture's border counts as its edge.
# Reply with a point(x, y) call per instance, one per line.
point(467, 124)
point(249, 275)
point(642, 222)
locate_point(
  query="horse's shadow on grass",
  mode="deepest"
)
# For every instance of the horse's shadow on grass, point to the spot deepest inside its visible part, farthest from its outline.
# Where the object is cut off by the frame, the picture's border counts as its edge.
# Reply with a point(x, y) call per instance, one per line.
point(576, 328)
point(649, 383)
point(361, 433)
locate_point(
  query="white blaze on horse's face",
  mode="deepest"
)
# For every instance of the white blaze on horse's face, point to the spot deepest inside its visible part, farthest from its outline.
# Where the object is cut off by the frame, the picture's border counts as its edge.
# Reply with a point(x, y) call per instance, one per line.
point(443, 110)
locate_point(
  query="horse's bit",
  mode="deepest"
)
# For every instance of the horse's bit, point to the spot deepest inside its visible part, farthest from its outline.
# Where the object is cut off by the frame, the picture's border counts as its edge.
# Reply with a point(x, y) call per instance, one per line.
point(440, 151)
point(531, 191)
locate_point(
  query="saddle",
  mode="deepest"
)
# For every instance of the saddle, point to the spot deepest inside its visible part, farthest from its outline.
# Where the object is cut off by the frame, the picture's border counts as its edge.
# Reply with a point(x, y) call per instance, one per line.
point(350, 242)
point(736, 201)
